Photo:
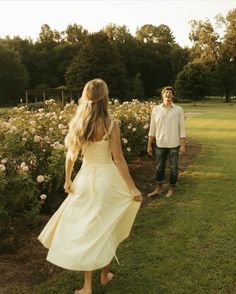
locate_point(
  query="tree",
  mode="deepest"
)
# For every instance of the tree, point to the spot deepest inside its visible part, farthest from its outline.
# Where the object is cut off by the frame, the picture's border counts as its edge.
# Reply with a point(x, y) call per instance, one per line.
point(47, 35)
point(120, 34)
point(192, 82)
point(75, 33)
point(13, 75)
point(209, 47)
point(138, 90)
point(229, 40)
point(155, 34)
point(206, 44)
point(227, 62)
point(98, 57)
point(179, 57)
point(132, 54)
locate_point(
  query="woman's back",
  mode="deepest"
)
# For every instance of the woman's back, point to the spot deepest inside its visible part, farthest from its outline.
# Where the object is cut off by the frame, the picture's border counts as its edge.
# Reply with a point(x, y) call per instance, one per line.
point(99, 151)
point(102, 128)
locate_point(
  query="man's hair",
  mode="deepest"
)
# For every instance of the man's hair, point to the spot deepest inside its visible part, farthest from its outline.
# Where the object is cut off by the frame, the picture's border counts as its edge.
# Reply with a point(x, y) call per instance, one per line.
point(168, 88)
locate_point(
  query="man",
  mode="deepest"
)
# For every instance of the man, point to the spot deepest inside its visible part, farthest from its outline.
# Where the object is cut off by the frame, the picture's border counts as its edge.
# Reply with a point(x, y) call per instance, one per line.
point(168, 129)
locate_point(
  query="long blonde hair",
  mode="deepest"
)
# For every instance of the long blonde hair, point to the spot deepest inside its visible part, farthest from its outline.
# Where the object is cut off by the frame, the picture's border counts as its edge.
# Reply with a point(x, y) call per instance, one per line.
point(93, 105)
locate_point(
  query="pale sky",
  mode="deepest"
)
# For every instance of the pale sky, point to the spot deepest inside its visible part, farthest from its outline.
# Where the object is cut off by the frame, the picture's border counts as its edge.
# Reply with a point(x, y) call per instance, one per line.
point(25, 18)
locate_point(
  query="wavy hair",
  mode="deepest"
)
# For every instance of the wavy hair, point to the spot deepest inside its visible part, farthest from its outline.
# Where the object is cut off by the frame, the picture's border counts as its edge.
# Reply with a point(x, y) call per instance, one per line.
point(168, 88)
point(93, 105)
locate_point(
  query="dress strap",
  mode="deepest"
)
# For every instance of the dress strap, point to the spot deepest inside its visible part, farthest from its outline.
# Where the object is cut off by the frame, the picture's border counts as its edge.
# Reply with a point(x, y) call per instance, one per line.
point(107, 132)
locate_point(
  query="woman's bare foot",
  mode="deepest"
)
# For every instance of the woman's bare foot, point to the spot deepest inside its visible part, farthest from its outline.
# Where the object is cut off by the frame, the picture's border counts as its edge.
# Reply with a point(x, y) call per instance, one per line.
point(83, 291)
point(106, 278)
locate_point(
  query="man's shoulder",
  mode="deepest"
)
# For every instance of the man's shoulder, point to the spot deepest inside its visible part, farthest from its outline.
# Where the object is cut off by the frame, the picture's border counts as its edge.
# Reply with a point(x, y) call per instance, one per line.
point(177, 107)
point(156, 107)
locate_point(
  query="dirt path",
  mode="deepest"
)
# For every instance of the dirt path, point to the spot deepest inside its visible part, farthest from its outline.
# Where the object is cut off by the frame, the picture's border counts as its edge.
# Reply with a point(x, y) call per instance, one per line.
point(22, 270)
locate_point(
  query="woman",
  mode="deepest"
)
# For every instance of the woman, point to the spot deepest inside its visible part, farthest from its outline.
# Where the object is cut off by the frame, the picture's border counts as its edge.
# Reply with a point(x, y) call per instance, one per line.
point(103, 200)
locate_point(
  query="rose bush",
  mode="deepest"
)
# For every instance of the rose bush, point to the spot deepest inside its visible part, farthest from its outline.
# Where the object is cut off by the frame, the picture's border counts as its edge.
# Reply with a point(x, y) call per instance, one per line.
point(32, 152)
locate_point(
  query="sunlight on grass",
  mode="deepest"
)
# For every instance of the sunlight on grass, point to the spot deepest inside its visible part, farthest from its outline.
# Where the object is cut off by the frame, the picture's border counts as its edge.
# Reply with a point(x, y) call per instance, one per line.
point(184, 244)
point(213, 127)
point(203, 174)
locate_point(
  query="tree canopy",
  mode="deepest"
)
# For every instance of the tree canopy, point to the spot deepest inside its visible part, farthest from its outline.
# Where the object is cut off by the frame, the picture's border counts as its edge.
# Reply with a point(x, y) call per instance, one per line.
point(13, 74)
point(139, 64)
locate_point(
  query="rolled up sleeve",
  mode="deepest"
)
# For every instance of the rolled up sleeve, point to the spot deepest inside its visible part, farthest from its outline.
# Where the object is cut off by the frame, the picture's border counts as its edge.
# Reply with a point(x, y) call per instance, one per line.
point(152, 129)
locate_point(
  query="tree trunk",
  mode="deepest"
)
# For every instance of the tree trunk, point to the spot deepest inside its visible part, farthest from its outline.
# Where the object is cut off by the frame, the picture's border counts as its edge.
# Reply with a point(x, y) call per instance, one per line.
point(227, 96)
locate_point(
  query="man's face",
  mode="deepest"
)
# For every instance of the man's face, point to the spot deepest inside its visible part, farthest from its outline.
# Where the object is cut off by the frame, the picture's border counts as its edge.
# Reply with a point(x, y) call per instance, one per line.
point(167, 95)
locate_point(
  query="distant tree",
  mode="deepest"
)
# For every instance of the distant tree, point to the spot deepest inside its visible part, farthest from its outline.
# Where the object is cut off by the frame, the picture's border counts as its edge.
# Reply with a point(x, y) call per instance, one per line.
point(209, 47)
point(227, 61)
point(13, 76)
point(179, 57)
point(53, 53)
point(131, 53)
point(155, 34)
point(138, 90)
point(163, 57)
point(47, 35)
point(75, 33)
point(120, 34)
point(193, 82)
point(98, 57)
point(206, 43)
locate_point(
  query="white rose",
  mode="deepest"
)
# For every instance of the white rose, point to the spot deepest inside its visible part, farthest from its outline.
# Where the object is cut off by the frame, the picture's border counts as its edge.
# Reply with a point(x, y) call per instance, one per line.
point(37, 139)
point(2, 168)
point(43, 196)
point(57, 145)
point(61, 126)
point(40, 178)
point(22, 165)
point(25, 168)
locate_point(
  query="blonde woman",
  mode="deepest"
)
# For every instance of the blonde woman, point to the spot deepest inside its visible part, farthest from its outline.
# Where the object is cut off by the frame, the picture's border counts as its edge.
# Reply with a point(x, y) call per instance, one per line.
point(103, 200)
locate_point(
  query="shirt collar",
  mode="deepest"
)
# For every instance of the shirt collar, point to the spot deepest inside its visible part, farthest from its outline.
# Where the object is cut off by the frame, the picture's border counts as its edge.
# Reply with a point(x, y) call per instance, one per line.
point(172, 105)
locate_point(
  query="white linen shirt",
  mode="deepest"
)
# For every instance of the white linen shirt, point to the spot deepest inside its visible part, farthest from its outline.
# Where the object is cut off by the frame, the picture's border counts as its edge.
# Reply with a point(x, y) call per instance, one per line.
point(167, 125)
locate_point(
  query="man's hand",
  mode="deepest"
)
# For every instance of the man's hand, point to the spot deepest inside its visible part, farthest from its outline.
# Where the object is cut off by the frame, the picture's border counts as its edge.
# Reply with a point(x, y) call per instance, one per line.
point(149, 150)
point(181, 149)
point(68, 187)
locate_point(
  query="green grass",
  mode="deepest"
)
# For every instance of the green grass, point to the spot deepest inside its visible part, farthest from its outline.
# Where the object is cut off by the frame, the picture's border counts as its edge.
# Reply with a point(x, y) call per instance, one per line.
point(185, 244)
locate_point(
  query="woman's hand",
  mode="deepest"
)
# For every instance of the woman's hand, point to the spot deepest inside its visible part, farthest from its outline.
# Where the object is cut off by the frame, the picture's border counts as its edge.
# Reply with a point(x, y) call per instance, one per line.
point(68, 187)
point(137, 195)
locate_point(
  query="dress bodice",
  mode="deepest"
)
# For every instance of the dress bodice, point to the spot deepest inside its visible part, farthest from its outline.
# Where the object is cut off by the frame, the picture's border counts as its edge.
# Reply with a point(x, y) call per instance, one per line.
point(98, 153)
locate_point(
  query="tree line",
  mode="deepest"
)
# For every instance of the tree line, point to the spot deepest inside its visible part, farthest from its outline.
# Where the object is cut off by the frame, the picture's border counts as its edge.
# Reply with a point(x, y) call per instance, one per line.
point(134, 66)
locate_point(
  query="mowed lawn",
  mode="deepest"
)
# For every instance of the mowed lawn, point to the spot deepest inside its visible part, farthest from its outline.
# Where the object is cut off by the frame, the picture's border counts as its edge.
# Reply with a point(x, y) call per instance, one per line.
point(185, 244)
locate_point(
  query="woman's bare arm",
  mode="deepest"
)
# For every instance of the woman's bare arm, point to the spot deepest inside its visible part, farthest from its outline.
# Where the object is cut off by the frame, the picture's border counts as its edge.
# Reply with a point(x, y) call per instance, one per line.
point(69, 164)
point(120, 162)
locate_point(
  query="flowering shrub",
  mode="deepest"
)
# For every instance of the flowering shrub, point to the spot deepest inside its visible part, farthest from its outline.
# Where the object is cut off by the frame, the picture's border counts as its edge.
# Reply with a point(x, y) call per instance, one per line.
point(32, 152)
point(134, 120)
